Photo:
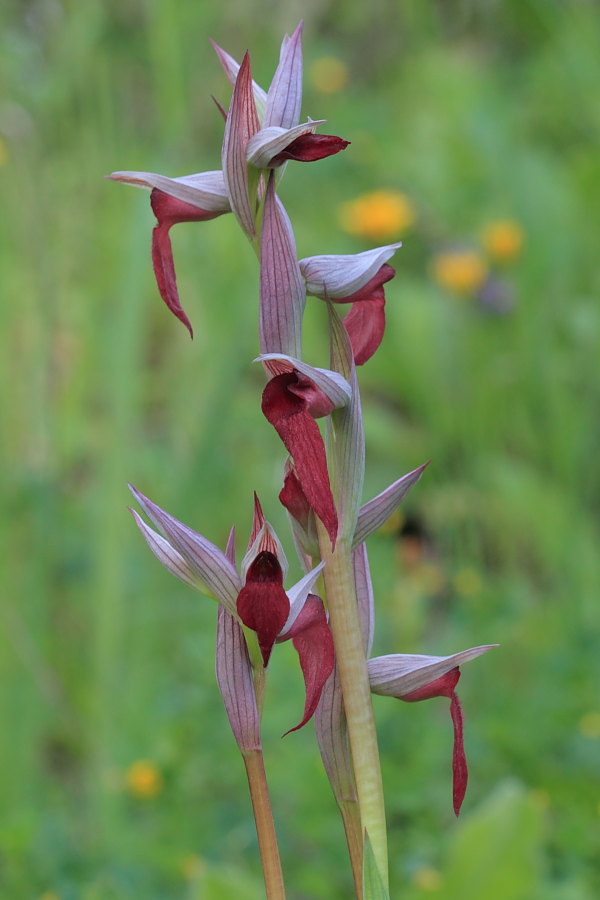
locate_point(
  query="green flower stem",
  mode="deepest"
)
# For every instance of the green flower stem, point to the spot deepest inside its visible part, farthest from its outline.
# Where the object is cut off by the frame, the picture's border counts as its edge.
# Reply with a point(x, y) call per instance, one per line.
point(265, 826)
point(354, 678)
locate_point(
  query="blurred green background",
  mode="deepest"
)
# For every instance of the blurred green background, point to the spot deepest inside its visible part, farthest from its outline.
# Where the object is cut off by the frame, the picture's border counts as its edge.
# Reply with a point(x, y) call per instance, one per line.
point(118, 777)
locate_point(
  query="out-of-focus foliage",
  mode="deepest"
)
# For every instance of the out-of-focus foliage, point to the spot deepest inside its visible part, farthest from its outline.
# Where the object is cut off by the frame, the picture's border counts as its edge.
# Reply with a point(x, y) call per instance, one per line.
point(118, 778)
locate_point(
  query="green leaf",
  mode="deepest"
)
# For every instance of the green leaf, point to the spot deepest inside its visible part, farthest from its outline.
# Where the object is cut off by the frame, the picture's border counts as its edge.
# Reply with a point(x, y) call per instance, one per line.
point(373, 885)
point(226, 883)
point(496, 850)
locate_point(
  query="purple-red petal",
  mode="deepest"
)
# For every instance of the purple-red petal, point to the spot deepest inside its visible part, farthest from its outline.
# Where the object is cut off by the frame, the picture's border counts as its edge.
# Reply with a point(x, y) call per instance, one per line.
point(262, 604)
point(440, 687)
point(310, 147)
point(169, 211)
point(294, 499)
point(313, 642)
point(286, 409)
point(444, 686)
point(318, 404)
point(460, 772)
point(370, 289)
point(365, 324)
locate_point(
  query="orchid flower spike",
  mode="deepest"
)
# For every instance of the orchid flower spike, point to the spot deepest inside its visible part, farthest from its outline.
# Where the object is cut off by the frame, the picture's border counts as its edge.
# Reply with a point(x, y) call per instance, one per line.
point(411, 678)
point(254, 597)
point(358, 279)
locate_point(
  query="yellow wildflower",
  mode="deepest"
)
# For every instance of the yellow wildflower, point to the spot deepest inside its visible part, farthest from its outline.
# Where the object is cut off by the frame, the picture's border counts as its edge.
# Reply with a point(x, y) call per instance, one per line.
point(589, 725)
point(378, 215)
point(503, 239)
point(328, 74)
point(461, 271)
point(427, 879)
point(49, 895)
point(143, 779)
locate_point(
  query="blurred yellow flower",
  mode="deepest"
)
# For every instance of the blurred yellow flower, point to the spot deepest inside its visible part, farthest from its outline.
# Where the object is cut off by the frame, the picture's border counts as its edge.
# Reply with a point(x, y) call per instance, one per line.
point(143, 779)
point(49, 895)
point(589, 725)
point(461, 271)
point(467, 582)
point(427, 878)
point(378, 215)
point(503, 239)
point(328, 75)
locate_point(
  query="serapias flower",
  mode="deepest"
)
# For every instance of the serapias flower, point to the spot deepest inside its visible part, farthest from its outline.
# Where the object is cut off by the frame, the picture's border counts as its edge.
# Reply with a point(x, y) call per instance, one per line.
point(281, 136)
point(253, 597)
point(410, 677)
point(262, 145)
point(272, 147)
point(358, 279)
point(295, 396)
point(190, 198)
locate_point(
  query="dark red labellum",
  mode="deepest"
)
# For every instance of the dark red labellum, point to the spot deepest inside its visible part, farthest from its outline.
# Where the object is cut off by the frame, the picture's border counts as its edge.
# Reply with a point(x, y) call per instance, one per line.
point(313, 641)
point(294, 499)
point(262, 604)
point(288, 411)
point(365, 323)
point(444, 687)
point(169, 211)
point(309, 148)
